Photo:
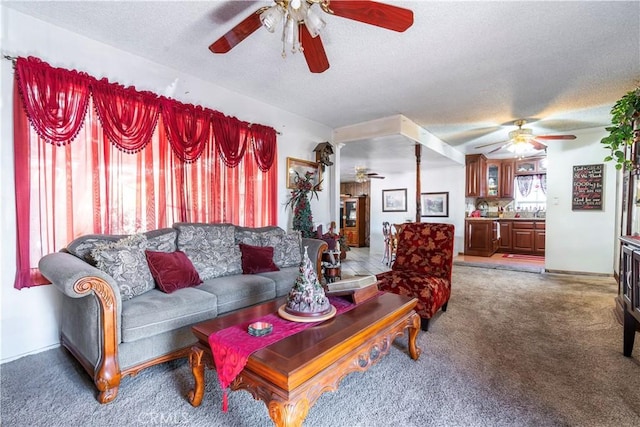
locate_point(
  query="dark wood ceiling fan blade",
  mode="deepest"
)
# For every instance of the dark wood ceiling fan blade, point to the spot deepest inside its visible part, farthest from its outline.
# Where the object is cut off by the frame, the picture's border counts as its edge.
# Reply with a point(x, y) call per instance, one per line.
point(372, 173)
point(556, 137)
point(238, 33)
point(313, 51)
point(373, 13)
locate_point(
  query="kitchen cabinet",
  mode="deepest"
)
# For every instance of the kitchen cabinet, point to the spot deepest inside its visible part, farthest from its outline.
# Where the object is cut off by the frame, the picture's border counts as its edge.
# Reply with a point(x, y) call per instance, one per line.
point(528, 237)
point(539, 237)
point(507, 177)
point(481, 237)
point(353, 220)
point(505, 244)
point(489, 178)
point(494, 180)
point(476, 172)
point(536, 165)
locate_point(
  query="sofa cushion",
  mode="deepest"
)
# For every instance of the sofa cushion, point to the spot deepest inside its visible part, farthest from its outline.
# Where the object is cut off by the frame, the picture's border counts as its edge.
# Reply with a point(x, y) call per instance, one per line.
point(83, 245)
point(211, 248)
point(287, 248)
point(257, 236)
point(257, 259)
point(126, 263)
point(162, 240)
point(172, 270)
point(284, 279)
point(239, 291)
point(155, 312)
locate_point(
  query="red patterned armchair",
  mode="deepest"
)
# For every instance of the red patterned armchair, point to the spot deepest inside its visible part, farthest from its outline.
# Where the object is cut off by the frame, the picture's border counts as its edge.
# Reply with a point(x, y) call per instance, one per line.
point(422, 268)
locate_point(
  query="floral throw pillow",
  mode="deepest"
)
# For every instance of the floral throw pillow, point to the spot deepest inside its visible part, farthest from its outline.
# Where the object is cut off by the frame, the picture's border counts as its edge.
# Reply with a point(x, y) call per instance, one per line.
point(211, 248)
point(287, 249)
point(126, 263)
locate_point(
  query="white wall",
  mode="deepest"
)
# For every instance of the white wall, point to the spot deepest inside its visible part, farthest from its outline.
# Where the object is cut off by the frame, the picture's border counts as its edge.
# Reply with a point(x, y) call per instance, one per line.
point(30, 317)
point(449, 178)
point(579, 241)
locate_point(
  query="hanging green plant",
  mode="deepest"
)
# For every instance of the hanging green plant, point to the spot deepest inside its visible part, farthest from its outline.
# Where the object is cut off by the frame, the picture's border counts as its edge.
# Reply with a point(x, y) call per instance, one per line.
point(305, 190)
point(623, 114)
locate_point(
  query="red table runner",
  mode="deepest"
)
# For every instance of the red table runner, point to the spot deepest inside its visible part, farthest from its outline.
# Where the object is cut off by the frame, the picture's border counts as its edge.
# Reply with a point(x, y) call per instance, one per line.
point(232, 346)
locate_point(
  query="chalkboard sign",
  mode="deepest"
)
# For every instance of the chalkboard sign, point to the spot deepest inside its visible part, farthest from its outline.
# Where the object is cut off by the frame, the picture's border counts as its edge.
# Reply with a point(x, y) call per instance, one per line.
point(587, 187)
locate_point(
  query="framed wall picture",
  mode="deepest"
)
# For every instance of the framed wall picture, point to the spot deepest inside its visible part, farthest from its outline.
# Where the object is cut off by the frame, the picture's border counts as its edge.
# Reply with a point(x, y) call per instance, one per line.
point(435, 204)
point(394, 200)
point(302, 167)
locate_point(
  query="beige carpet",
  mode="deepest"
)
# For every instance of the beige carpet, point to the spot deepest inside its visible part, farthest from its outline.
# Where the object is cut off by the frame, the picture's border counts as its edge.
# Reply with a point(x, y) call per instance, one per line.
point(513, 349)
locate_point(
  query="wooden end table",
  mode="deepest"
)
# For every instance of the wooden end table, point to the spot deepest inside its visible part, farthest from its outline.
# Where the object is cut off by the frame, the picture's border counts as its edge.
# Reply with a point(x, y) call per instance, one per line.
point(290, 375)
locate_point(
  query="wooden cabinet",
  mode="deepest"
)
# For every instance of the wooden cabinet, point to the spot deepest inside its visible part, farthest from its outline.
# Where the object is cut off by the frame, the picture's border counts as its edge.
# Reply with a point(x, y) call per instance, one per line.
point(531, 166)
point(505, 244)
point(475, 175)
point(489, 178)
point(494, 180)
point(353, 189)
point(539, 237)
point(480, 237)
point(353, 220)
point(522, 236)
point(507, 177)
point(630, 290)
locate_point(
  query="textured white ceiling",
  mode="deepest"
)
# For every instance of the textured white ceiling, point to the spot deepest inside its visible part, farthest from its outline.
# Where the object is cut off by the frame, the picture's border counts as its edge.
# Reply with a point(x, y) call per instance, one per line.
point(464, 71)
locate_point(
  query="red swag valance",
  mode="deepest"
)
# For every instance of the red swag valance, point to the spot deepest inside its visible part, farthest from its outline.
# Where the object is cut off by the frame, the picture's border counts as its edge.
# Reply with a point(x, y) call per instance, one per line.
point(56, 103)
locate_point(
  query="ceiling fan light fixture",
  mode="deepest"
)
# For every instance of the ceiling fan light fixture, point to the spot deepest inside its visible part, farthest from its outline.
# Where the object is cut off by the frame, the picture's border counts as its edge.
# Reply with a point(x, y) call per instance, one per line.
point(271, 17)
point(290, 36)
point(314, 23)
point(521, 147)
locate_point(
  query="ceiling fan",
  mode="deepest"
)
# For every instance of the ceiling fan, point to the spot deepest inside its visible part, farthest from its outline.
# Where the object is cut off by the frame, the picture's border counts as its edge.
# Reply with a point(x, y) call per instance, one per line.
point(522, 140)
point(363, 176)
point(302, 23)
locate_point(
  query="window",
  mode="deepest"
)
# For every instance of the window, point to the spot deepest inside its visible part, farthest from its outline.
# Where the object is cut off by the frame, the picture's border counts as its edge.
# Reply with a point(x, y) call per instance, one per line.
point(530, 194)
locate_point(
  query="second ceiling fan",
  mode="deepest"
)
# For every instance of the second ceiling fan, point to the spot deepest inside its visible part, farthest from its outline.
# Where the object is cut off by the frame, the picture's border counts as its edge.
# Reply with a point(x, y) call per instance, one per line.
point(362, 174)
point(522, 140)
point(302, 23)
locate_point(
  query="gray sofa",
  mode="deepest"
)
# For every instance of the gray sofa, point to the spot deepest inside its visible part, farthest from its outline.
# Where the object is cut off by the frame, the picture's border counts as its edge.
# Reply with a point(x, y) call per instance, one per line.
point(116, 321)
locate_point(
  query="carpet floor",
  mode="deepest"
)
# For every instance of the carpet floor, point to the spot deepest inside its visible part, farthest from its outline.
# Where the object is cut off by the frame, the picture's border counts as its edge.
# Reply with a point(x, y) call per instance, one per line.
point(513, 349)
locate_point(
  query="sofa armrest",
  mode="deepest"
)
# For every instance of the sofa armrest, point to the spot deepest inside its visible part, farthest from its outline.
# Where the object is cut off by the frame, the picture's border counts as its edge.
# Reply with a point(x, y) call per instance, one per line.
point(77, 279)
point(315, 248)
point(65, 270)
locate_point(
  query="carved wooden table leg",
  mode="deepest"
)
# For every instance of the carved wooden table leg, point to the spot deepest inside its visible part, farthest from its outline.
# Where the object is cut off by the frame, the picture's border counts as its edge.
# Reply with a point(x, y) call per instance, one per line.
point(414, 350)
point(288, 413)
point(197, 368)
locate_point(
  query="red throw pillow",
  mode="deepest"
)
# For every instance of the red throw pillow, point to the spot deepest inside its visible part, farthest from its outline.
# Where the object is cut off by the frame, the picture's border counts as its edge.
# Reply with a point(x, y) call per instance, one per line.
point(172, 270)
point(257, 259)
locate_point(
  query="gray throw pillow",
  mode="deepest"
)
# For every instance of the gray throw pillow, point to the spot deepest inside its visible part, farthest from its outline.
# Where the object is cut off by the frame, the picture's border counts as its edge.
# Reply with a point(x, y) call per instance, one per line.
point(287, 248)
point(126, 263)
point(211, 249)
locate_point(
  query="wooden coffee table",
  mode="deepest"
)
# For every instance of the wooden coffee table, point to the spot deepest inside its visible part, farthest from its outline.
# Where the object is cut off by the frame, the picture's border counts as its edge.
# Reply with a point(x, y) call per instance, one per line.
point(291, 374)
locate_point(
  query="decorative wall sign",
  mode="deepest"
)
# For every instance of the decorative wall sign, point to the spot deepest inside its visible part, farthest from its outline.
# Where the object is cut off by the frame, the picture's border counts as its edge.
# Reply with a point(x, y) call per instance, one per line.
point(588, 187)
point(394, 200)
point(435, 204)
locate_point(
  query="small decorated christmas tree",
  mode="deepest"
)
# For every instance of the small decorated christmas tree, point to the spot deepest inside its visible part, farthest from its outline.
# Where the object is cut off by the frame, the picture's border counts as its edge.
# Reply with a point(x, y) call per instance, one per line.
point(307, 297)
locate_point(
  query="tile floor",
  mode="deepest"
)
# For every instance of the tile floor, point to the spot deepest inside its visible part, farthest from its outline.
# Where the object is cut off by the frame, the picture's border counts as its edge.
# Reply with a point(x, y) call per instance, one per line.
point(360, 261)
